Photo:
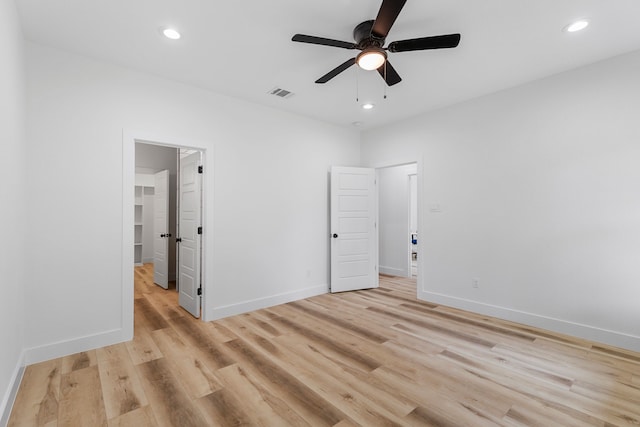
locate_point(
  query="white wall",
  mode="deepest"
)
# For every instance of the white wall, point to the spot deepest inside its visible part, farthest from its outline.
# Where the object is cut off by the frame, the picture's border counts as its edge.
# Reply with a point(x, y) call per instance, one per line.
point(12, 205)
point(393, 219)
point(539, 194)
point(269, 195)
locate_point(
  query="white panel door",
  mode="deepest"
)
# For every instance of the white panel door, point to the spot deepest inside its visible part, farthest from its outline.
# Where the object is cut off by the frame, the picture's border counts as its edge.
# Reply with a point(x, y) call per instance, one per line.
point(161, 229)
point(354, 236)
point(189, 246)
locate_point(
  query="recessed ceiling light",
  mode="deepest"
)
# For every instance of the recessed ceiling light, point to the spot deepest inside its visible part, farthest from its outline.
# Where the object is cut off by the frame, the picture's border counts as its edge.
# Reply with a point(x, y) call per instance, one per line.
point(577, 26)
point(367, 106)
point(171, 33)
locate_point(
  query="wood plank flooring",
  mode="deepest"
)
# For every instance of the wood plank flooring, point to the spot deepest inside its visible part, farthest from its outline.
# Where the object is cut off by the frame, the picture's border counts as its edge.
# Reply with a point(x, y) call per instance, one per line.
point(367, 358)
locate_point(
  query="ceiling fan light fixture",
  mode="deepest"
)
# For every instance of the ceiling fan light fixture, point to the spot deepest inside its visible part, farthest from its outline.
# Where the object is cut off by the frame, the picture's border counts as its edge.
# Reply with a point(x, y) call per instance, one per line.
point(371, 58)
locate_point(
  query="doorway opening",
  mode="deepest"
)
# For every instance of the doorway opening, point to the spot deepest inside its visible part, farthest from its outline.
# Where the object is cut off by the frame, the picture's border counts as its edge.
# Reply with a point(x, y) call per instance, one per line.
point(195, 232)
point(167, 220)
point(398, 220)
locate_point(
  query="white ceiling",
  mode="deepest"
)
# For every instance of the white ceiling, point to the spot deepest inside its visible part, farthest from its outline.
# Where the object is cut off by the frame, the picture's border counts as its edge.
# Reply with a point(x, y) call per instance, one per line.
point(243, 48)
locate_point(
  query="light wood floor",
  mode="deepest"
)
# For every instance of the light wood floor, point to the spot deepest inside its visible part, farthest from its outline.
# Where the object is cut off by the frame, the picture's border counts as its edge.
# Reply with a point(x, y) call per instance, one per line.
point(370, 358)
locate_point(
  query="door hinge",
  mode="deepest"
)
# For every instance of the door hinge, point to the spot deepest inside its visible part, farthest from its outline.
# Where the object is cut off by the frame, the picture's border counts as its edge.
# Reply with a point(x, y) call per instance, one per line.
point(200, 291)
point(200, 169)
point(199, 230)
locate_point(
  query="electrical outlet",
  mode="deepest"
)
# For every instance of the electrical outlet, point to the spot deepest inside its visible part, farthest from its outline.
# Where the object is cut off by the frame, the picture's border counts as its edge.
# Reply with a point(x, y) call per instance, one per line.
point(475, 283)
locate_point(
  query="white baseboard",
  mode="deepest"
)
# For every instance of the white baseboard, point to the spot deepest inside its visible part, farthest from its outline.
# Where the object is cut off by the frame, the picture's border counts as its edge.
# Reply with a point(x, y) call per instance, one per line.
point(259, 303)
point(587, 332)
point(76, 345)
point(393, 271)
point(67, 347)
point(12, 391)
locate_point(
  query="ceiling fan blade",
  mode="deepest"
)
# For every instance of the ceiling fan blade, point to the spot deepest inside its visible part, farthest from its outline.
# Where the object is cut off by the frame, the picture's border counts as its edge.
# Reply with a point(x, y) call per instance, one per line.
point(389, 74)
point(424, 43)
point(389, 11)
point(340, 68)
point(322, 41)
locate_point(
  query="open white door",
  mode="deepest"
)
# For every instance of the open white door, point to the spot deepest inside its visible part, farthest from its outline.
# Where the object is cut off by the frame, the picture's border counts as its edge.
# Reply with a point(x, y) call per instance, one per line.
point(161, 229)
point(354, 236)
point(189, 220)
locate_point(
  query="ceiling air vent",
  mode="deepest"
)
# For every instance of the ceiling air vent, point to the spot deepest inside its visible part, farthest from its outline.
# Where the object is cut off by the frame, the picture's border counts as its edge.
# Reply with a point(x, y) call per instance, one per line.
point(281, 93)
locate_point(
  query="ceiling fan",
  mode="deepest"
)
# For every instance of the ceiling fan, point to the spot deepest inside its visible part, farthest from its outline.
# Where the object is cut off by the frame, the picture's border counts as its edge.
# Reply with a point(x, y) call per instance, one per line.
point(370, 38)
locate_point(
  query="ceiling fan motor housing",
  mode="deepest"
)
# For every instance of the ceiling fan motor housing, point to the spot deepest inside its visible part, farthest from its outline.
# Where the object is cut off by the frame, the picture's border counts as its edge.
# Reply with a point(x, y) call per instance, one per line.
point(363, 37)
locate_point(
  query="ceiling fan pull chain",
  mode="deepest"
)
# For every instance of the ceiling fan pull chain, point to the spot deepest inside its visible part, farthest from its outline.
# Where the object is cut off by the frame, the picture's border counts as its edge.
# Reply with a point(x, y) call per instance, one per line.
point(357, 87)
point(385, 80)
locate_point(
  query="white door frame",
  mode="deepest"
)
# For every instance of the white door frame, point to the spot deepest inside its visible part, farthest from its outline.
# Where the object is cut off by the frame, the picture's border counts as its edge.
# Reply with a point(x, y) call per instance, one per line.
point(420, 286)
point(129, 139)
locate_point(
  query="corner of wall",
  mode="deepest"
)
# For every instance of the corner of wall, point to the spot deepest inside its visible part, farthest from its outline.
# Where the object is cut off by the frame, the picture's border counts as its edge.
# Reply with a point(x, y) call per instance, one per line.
point(12, 391)
point(393, 271)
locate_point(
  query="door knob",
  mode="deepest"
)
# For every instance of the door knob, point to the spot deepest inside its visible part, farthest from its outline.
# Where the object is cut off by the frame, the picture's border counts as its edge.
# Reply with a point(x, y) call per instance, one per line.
point(335, 236)
point(163, 235)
